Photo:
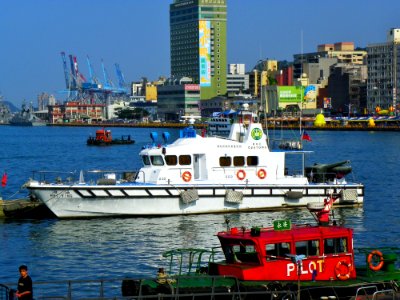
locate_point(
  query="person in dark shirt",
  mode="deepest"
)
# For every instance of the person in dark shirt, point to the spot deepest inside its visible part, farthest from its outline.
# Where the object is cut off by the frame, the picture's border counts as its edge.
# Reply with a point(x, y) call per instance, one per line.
point(24, 290)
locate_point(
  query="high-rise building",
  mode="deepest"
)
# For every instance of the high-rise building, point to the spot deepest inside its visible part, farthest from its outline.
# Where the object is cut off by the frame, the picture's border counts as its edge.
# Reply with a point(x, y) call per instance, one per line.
point(198, 44)
point(384, 73)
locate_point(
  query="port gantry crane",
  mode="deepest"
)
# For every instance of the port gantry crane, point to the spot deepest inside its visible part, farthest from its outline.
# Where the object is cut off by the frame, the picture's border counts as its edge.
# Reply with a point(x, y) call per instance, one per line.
point(92, 91)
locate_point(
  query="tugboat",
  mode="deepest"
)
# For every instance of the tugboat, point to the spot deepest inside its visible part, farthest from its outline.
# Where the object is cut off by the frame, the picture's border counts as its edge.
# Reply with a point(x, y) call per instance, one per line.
point(285, 261)
point(104, 138)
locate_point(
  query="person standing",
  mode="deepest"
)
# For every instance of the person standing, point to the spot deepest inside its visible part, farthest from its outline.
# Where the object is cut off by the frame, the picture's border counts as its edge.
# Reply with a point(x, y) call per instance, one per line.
point(24, 290)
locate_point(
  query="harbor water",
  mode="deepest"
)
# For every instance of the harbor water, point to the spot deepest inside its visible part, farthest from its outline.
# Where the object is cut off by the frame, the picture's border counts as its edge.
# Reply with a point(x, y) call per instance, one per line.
point(119, 247)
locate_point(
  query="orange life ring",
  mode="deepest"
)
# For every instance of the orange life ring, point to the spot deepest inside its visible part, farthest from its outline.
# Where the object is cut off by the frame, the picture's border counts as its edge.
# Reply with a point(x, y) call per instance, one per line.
point(372, 257)
point(241, 174)
point(340, 273)
point(262, 173)
point(186, 176)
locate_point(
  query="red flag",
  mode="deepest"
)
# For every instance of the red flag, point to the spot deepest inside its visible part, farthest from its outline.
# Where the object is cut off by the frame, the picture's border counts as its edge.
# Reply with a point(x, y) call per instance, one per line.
point(306, 137)
point(4, 180)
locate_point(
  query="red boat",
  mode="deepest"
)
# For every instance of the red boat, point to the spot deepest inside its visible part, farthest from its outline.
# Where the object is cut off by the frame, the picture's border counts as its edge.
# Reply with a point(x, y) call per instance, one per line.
point(104, 138)
point(292, 261)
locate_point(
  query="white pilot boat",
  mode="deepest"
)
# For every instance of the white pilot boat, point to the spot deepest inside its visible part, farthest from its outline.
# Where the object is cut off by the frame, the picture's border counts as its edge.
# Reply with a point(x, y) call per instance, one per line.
point(199, 174)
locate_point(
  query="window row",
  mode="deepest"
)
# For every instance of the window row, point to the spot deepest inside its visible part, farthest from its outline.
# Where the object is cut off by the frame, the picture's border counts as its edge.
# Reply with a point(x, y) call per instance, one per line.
point(238, 161)
point(307, 248)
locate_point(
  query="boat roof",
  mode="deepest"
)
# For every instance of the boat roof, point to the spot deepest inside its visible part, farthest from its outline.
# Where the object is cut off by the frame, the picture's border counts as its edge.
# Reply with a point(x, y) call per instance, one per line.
point(296, 232)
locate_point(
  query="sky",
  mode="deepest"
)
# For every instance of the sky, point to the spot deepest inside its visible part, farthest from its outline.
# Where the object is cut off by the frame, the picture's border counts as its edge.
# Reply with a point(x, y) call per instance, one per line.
point(135, 34)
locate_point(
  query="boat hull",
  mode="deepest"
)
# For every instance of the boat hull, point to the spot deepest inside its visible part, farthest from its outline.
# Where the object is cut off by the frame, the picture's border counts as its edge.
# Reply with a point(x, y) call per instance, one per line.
point(78, 201)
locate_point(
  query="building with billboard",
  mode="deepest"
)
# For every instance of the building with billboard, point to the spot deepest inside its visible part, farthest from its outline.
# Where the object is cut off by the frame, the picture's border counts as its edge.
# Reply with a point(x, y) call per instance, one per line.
point(280, 97)
point(198, 44)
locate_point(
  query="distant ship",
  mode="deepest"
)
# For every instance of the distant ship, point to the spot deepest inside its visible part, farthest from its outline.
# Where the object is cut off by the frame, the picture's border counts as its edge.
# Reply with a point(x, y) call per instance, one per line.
point(5, 113)
point(26, 118)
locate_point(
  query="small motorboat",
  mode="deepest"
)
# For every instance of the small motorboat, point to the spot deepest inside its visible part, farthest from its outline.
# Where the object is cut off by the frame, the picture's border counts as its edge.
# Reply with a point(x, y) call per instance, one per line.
point(104, 138)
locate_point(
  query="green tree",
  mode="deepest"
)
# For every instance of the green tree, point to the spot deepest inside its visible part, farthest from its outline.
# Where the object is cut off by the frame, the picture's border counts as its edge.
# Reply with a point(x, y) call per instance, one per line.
point(132, 114)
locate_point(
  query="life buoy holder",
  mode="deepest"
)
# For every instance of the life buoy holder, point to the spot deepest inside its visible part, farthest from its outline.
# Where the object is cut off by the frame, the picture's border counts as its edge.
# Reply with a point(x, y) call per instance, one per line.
point(340, 273)
point(241, 174)
point(187, 176)
point(372, 259)
point(262, 173)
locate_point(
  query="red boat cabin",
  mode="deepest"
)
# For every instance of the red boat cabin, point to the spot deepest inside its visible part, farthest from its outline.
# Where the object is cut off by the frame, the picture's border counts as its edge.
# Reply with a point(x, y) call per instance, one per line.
point(299, 253)
point(103, 135)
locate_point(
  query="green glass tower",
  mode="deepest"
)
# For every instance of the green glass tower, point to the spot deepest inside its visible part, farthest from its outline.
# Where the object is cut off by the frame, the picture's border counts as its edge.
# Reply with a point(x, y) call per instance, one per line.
point(198, 43)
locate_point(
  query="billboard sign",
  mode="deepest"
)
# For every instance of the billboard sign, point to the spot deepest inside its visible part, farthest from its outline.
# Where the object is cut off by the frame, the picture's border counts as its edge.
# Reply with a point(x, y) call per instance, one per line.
point(310, 93)
point(327, 102)
point(290, 94)
point(205, 52)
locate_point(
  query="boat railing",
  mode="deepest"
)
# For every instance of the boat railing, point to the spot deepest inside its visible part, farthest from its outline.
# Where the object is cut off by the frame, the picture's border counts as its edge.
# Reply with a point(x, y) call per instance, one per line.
point(85, 177)
point(189, 287)
point(187, 261)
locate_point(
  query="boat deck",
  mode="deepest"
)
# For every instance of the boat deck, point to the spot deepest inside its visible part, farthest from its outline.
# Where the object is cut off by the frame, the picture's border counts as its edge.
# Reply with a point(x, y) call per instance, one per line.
point(218, 288)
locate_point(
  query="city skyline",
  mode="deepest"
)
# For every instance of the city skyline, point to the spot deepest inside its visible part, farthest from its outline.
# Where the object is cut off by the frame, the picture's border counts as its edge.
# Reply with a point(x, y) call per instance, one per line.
point(135, 34)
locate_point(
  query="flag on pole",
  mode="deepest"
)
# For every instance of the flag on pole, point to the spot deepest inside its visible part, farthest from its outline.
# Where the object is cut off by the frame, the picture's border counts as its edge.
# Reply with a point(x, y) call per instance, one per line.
point(306, 137)
point(4, 180)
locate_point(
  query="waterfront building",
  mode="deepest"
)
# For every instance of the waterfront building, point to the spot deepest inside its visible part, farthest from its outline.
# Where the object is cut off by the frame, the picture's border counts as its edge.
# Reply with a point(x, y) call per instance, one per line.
point(347, 88)
point(236, 69)
point(237, 83)
point(223, 103)
point(74, 111)
point(198, 44)
point(264, 73)
point(237, 80)
point(276, 98)
point(136, 88)
point(316, 65)
point(44, 100)
point(177, 98)
point(384, 73)
point(151, 92)
point(285, 73)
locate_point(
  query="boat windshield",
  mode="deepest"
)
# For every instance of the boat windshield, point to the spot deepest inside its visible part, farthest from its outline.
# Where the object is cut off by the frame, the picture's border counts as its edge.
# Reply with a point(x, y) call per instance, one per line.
point(146, 160)
point(240, 252)
point(157, 160)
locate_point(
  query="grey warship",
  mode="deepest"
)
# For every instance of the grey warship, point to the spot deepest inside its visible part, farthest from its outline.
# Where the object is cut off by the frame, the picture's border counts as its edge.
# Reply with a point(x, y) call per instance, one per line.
point(26, 118)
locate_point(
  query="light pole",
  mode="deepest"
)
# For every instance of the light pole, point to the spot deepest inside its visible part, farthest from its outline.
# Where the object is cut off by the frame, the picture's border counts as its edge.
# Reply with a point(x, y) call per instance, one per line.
point(349, 107)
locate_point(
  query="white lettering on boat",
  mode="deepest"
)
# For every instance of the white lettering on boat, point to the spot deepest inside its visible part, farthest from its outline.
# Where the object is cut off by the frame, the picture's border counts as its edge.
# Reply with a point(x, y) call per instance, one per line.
point(256, 146)
point(312, 265)
point(62, 194)
point(229, 146)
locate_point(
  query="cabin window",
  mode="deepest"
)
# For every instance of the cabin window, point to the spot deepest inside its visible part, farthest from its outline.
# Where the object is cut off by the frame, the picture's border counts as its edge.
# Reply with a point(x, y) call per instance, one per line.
point(225, 161)
point(185, 160)
point(277, 250)
point(335, 246)
point(171, 160)
point(156, 160)
point(238, 161)
point(252, 160)
point(244, 252)
point(146, 160)
point(307, 248)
